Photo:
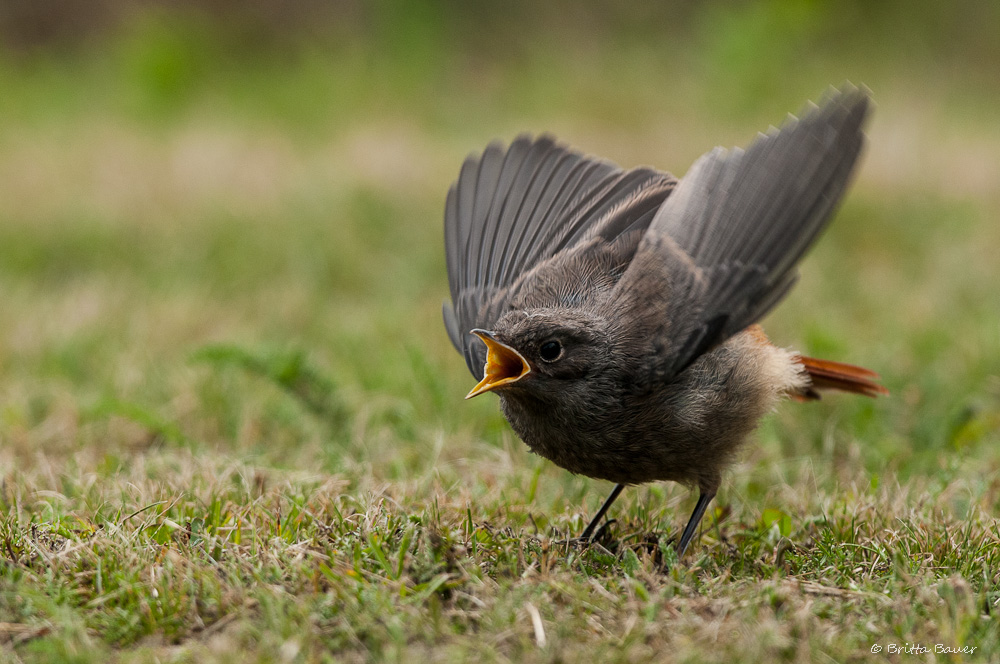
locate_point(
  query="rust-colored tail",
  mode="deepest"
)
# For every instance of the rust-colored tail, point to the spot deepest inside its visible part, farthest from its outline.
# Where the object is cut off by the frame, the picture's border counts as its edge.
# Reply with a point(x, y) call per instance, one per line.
point(827, 375)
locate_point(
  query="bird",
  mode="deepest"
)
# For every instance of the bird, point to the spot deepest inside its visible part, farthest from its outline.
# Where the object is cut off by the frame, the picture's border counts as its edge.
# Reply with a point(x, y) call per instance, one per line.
point(615, 312)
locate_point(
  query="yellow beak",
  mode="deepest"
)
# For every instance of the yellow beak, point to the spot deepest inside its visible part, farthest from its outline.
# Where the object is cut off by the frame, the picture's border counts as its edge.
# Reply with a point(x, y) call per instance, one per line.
point(504, 365)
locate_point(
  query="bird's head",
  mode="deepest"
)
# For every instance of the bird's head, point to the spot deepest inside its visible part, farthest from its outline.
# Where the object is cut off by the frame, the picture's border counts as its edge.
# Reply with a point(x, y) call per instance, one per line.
point(543, 351)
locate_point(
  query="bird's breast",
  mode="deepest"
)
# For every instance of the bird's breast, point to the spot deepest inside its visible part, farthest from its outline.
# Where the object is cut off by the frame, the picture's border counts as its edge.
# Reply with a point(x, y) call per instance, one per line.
point(685, 430)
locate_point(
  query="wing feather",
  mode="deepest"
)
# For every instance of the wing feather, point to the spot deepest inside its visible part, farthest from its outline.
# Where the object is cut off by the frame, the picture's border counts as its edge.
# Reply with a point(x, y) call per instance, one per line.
point(742, 219)
point(513, 208)
point(715, 255)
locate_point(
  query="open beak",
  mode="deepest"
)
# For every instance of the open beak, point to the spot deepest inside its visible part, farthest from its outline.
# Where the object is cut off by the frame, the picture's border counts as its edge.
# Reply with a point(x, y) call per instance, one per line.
point(504, 365)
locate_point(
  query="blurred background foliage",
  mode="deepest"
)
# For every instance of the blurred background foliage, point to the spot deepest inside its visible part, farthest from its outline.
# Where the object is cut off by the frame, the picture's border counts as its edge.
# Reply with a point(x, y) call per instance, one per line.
point(324, 59)
point(180, 174)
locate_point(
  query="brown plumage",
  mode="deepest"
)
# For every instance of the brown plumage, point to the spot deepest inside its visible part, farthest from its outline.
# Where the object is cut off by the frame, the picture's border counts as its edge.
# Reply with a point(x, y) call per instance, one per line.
point(828, 375)
point(613, 312)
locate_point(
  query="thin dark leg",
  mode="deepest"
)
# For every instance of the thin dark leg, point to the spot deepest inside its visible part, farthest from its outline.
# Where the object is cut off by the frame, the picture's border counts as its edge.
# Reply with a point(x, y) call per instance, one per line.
point(699, 511)
point(596, 521)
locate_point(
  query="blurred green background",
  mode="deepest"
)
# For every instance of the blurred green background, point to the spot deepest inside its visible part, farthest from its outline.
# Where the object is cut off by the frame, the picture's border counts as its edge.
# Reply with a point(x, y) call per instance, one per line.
point(221, 244)
point(272, 175)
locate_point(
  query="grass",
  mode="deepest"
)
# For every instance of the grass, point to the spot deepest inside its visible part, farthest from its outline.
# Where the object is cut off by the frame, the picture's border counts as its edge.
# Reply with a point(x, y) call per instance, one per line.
point(232, 426)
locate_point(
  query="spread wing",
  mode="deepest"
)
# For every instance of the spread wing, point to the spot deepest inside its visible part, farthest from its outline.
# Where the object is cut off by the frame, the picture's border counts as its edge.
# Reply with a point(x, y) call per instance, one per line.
point(512, 209)
point(722, 249)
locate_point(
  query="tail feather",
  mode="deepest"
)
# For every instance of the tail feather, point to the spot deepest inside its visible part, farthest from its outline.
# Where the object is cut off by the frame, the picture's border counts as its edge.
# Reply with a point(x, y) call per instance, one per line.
point(827, 375)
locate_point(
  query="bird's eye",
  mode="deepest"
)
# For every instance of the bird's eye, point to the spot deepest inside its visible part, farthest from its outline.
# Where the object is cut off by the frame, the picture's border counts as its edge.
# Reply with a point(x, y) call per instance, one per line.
point(550, 351)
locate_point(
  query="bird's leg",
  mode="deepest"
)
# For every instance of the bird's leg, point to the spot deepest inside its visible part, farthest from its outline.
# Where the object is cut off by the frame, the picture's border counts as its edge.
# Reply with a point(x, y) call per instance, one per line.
point(704, 498)
point(596, 521)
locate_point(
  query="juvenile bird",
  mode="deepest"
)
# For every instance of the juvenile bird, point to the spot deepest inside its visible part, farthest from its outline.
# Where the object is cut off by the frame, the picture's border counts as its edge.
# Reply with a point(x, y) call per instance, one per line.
point(613, 312)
